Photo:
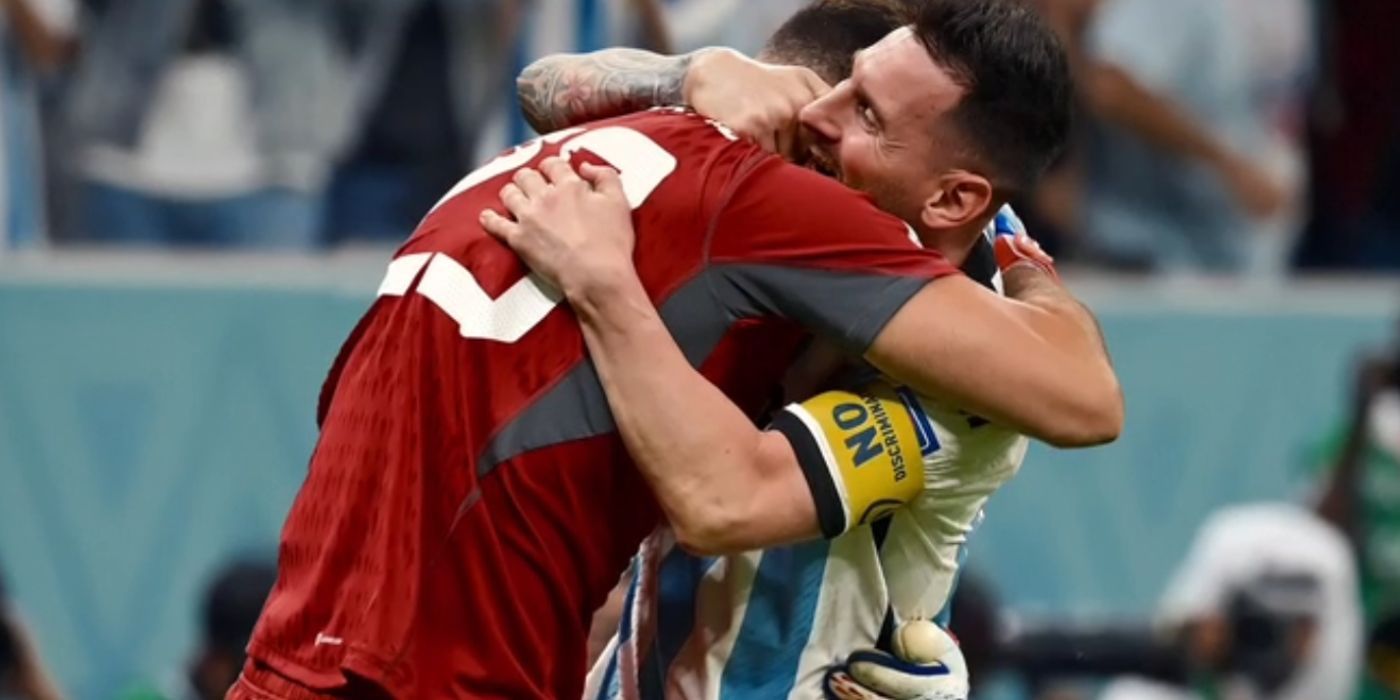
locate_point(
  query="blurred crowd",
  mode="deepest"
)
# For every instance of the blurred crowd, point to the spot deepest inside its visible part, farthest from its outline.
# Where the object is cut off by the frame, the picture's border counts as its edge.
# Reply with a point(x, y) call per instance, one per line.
point(1253, 136)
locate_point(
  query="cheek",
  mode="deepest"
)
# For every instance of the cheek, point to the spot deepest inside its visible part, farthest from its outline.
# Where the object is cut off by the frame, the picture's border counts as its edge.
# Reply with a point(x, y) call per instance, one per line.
point(857, 158)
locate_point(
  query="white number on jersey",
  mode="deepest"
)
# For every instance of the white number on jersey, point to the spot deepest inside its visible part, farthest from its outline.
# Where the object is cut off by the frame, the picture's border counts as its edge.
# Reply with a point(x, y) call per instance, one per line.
point(642, 165)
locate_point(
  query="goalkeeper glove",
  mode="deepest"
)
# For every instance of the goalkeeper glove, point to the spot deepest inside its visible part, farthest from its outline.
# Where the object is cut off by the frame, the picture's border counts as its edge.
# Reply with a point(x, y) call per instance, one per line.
point(926, 665)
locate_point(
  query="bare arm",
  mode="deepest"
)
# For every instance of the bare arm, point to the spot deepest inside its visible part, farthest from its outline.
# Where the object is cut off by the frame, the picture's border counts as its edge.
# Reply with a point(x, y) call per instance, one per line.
point(1116, 97)
point(566, 89)
point(725, 485)
point(46, 49)
point(754, 99)
point(1036, 365)
point(1340, 500)
point(655, 33)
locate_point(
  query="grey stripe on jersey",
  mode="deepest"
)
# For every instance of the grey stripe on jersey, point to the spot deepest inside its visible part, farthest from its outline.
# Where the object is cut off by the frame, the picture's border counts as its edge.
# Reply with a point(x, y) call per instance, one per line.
point(577, 408)
point(848, 307)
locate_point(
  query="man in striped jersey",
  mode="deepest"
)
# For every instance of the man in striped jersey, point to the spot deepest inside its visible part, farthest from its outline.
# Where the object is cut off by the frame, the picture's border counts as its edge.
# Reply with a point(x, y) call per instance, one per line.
point(778, 622)
point(769, 624)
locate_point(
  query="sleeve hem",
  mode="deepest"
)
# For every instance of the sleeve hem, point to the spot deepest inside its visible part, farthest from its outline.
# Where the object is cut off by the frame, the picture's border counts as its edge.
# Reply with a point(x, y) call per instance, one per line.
point(831, 515)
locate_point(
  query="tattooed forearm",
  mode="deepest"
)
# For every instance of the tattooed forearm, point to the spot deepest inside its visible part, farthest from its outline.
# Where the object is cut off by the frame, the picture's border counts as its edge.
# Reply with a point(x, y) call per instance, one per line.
point(566, 89)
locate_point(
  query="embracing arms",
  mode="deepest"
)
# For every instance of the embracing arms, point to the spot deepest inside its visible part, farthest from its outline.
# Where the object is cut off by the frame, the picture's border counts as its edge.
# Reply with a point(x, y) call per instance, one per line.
point(724, 484)
point(565, 90)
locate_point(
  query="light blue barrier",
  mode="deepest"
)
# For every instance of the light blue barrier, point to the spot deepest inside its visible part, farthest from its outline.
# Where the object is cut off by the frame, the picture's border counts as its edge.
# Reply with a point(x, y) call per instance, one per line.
point(148, 433)
point(1222, 407)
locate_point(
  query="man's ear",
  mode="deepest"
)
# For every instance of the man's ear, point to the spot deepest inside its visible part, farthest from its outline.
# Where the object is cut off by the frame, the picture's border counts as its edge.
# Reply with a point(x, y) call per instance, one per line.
point(962, 198)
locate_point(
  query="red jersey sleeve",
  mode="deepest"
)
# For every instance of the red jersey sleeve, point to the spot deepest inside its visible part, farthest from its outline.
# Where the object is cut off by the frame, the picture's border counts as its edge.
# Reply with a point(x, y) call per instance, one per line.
point(789, 242)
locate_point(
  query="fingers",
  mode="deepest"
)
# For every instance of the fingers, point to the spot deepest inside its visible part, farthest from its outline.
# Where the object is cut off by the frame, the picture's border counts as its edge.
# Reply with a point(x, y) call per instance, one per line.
point(794, 142)
point(558, 170)
point(603, 179)
point(815, 84)
point(530, 182)
point(767, 139)
point(514, 199)
point(499, 226)
point(1031, 248)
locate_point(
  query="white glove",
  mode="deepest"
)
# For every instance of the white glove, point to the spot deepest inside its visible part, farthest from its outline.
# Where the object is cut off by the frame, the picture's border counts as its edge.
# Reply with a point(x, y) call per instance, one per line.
point(927, 665)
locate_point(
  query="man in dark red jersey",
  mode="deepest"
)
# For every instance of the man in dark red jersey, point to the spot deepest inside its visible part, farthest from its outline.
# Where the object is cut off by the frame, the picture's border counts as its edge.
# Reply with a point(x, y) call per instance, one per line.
point(469, 505)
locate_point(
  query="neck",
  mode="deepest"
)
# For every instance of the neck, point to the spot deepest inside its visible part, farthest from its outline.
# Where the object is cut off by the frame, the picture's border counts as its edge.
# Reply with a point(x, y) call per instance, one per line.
point(955, 244)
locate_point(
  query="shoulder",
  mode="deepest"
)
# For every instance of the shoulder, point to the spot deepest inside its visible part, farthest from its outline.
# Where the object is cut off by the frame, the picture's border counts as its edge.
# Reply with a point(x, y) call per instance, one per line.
point(780, 212)
point(811, 195)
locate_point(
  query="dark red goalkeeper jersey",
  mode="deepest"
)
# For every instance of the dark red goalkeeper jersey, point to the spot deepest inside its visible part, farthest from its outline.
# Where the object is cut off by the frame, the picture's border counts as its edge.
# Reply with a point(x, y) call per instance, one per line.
point(469, 505)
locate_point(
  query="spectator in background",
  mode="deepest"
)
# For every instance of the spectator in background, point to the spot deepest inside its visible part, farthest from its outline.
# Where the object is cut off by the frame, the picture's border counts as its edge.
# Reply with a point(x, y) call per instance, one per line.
point(738, 24)
point(22, 672)
point(36, 38)
point(427, 75)
point(1356, 140)
point(208, 122)
point(231, 607)
point(1266, 604)
point(1361, 495)
point(1183, 166)
point(430, 74)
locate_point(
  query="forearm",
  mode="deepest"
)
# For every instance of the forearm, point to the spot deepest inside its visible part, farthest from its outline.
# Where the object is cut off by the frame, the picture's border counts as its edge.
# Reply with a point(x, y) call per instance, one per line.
point(563, 90)
point(1036, 367)
point(1070, 322)
point(655, 33)
point(1116, 97)
point(44, 48)
point(711, 469)
point(1067, 325)
point(1338, 502)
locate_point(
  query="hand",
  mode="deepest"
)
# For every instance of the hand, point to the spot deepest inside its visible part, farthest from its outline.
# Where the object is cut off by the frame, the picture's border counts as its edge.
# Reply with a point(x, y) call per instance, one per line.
point(572, 228)
point(1014, 246)
point(926, 665)
point(1373, 374)
point(756, 100)
point(1259, 194)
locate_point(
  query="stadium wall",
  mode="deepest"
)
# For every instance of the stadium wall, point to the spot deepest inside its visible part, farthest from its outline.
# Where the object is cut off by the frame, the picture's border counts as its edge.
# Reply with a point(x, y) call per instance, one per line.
point(156, 415)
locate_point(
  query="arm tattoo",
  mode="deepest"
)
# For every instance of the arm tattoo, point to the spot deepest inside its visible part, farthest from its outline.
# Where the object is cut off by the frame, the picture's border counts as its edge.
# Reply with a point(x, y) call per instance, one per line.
point(567, 89)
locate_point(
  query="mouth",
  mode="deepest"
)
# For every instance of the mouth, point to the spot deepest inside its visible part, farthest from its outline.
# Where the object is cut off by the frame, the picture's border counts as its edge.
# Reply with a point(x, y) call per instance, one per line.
point(819, 161)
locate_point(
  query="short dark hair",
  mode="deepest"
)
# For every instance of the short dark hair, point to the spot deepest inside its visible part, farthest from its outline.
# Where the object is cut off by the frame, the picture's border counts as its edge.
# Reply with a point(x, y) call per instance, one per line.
point(1016, 113)
point(233, 602)
point(825, 35)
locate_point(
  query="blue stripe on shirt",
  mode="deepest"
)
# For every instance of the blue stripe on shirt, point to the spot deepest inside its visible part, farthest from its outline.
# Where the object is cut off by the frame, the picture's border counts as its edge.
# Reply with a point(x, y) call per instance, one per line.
point(609, 687)
point(678, 580)
point(777, 624)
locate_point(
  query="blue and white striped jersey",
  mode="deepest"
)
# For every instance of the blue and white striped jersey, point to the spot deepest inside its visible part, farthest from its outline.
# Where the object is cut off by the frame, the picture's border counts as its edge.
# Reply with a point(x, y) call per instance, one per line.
point(767, 624)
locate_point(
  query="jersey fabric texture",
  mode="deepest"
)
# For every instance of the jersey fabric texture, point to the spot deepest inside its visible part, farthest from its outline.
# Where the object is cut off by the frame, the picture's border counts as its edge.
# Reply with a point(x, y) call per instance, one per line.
point(468, 505)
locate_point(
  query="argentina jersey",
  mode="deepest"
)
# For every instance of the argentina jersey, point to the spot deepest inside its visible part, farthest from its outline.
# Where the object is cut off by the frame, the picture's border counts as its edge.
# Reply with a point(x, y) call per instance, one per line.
point(899, 484)
point(767, 624)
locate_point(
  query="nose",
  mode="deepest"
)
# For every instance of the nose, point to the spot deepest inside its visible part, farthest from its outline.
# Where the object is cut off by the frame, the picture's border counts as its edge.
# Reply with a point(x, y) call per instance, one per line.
point(819, 118)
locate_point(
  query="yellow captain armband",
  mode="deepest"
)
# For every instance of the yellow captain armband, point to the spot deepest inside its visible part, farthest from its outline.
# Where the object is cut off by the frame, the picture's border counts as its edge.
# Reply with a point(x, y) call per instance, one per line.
point(862, 452)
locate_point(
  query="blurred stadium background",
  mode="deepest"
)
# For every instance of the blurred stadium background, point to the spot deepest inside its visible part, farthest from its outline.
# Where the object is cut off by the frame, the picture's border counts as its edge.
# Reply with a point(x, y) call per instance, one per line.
point(187, 233)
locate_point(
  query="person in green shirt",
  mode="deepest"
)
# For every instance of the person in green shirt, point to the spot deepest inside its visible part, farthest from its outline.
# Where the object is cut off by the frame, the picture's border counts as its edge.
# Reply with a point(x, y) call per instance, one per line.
point(1361, 496)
